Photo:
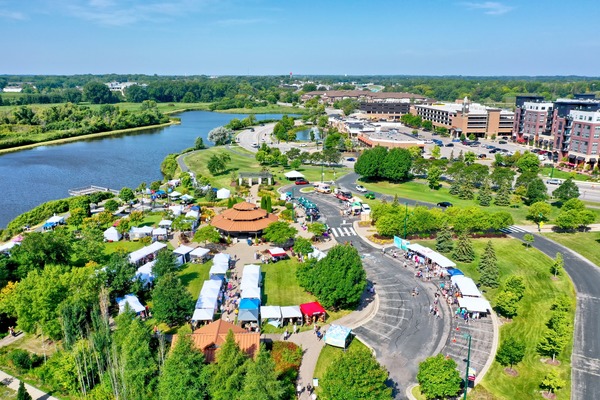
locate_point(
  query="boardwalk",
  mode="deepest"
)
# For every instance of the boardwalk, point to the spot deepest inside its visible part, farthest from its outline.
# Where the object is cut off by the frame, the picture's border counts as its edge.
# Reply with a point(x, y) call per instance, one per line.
point(91, 189)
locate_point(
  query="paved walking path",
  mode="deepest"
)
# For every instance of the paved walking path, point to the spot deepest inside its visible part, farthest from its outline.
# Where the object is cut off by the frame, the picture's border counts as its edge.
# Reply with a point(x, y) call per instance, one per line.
point(13, 382)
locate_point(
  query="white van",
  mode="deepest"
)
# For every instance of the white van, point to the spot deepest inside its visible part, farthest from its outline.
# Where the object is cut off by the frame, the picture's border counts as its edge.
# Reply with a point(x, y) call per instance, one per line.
point(322, 187)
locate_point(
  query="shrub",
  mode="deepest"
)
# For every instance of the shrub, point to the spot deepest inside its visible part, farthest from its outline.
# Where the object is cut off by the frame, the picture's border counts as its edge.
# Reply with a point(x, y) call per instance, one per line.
point(21, 359)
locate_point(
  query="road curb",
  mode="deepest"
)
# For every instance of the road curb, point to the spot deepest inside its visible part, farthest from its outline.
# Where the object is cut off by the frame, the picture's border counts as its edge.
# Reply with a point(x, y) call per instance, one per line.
point(494, 349)
point(409, 390)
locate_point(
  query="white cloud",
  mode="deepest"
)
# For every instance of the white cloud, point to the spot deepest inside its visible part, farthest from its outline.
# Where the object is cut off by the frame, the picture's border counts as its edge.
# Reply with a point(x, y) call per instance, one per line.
point(489, 7)
point(240, 21)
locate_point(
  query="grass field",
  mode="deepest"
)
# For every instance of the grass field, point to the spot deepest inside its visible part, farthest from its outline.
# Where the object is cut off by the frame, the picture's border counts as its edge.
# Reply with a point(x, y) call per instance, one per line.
point(529, 325)
point(585, 243)
point(419, 191)
point(6, 393)
point(193, 275)
point(243, 161)
point(546, 171)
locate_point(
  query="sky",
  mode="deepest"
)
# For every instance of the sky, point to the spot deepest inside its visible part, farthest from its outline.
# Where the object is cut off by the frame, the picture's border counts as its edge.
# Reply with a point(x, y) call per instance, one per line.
point(267, 37)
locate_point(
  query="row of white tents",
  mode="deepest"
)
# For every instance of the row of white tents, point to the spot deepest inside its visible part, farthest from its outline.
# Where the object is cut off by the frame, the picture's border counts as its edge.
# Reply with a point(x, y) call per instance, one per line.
point(471, 298)
point(208, 300)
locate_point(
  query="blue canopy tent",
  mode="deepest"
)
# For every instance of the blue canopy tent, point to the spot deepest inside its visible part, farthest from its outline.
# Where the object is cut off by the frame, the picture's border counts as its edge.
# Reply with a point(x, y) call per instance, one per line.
point(338, 336)
point(249, 310)
point(454, 271)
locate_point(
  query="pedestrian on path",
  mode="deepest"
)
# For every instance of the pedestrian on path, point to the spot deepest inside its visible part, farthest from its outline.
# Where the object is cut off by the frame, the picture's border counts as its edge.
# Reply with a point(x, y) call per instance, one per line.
point(295, 328)
point(299, 390)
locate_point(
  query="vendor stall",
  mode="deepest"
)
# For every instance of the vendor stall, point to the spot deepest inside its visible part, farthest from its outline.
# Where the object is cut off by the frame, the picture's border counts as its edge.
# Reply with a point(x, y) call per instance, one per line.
point(199, 254)
point(291, 313)
point(475, 304)
point(432, 255)
point(112, 235)
point(183, 253)
point(249, 310)
point(203, 314)
point(338, 336)
point(312, 312)
point(251, 293)
point(466, 286)
point(141, 255)
point(272, 314)
point(144, 273)
point(133, 302)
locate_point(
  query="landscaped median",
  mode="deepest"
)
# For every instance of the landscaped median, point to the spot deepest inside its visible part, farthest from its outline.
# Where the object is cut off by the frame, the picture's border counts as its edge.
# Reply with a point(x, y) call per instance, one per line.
point(530, 324)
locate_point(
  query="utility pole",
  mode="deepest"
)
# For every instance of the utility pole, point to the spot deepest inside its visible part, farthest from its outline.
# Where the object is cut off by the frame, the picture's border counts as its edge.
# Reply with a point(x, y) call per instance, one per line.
point(468, 365)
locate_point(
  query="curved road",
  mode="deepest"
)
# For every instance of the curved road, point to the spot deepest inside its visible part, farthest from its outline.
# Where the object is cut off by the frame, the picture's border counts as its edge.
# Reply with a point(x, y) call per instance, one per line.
point(585, 360)
point(402, 332)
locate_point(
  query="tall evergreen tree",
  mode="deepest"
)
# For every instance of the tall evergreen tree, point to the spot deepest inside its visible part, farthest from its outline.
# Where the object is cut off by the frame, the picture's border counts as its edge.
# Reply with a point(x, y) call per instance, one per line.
point(263, 202)
point(485, 194)
point(503, 196)
point(261, 379)
point(268, 205)
point(488, 266)
point(464, 249)
point(184, 374)
point(22, 393)
point(229, 371)
point(465, 190)
point(172, 302)
point(165, 264)
point(443, 241)
point(455, 187)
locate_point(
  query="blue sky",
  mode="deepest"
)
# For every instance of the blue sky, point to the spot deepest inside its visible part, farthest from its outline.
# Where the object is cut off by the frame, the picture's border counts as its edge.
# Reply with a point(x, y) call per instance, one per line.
point(263, 37)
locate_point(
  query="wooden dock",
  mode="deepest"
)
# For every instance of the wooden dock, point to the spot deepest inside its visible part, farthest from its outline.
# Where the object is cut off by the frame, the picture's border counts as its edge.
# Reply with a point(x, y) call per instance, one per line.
point(91, 189)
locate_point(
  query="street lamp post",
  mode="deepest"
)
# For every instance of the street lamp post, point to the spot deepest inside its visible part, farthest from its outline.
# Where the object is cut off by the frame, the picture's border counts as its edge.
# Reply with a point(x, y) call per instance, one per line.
point(405, 218)
point(468, 365)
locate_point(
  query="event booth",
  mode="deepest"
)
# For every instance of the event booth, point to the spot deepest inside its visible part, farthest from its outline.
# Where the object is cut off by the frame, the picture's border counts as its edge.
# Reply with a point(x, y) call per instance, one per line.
point(338, 336)
point(137, 233)
point(467, 286)
point(165, 223)
point(249, 310)
point(251, 293)
point(150, 251)
point(182, 253)
point(312, 312)
point(112, 235)
point(144, 273)
point(432, 255)
point(272, 314)
point(223, 193)
point(200, 254)
point(133, 302)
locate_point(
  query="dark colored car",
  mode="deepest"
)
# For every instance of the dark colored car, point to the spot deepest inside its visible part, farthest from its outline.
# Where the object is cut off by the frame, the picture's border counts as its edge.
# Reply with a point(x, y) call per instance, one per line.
point(370, 195)
point(301, 182)
point(492, 151)
point(350, 159)
point(482, 155)
point(502, 142)
point(449, 144)
point(444, 204)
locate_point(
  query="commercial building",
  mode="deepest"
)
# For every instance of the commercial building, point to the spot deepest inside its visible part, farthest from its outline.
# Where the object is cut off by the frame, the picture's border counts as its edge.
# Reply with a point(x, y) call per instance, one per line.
point(581, 137)
point(464, 117)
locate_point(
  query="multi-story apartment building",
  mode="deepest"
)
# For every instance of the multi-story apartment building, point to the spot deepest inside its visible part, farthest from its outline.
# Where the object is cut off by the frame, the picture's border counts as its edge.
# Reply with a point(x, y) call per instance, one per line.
point(464, 117)
point(533, 123)
point(581, 137)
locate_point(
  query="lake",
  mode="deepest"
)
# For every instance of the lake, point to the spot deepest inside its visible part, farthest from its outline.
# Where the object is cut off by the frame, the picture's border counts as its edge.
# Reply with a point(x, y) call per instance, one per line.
point(34, 176)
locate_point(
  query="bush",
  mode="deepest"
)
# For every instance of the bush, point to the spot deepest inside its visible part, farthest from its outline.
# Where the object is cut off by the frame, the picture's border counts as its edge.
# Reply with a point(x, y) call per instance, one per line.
point(21, 359)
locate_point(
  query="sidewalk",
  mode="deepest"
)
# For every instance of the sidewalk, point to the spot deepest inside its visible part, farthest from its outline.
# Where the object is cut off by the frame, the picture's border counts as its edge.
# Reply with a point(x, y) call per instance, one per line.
point(550, 228)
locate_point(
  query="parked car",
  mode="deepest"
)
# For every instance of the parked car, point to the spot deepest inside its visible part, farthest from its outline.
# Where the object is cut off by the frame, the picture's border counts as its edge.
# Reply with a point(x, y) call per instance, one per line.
point(361, 189)
point(303, 145)
point(429, 141)
point(350, 159)
point(502, 142)
point(301, 181)
point(504, 138)
point(370, 195)
point(366, 208)
point(456, 140)
point(553, 181)
point(482, 155)
point(492, 151)
point(449, 144)
point(444, 204)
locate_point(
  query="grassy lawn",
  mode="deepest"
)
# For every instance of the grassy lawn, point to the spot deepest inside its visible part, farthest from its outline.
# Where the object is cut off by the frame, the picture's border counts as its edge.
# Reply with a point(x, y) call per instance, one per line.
point(127, 246)
point(546, 171)
point(197, 162)
point(6, 393)
point(533, 314)
point(152, 219)
point(193, 275)
point(419, 191)
point(328, 355)
point(585, 243)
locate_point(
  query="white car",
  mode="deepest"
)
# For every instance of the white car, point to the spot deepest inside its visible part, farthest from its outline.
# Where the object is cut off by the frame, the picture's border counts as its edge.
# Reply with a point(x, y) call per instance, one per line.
point(360, 188)
point(429, 141)
point(303, 145)
point(366, 208)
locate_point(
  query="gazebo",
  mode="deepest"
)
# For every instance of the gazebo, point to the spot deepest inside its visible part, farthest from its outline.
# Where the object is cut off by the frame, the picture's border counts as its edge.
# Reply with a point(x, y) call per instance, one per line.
point(293, 175)
point(259, 176)
point(244, 219)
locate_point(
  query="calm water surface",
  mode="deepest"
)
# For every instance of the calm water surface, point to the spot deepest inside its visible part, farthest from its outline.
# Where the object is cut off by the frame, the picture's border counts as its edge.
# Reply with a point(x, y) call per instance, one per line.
point(34, 176)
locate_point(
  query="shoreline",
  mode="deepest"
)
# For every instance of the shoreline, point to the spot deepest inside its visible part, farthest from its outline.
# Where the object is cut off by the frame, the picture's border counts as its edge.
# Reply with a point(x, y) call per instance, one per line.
point(90, 136)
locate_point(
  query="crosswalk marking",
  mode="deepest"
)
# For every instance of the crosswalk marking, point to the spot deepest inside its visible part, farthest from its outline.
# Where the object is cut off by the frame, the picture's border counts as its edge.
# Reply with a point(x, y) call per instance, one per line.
point(513, 229)
point(343, 231)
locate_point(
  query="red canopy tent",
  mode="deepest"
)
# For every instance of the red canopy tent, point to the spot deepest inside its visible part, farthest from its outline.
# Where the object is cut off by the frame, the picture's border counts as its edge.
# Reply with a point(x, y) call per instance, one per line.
point(311, 309)
point(277, 252)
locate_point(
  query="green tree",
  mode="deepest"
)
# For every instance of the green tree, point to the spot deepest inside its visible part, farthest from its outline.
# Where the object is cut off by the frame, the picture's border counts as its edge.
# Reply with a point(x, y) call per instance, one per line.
point(261, 381)
point(126, 195)
point(355, 374)
point(485, 195)
point(77, 215)
point(438, 377)
point(506, 304)
point(427, 125)
point(463, 251)
point(536, 191)
point(216, 164)
point(553, 342)
point(228, 372)
point(434, 173)
point(199, 143)
point(98, 93)
point(396, 165)
point(529, 239)
point(488, 266)
point(566, 191)
point(165, 264)
point(279, 232)
point(184, 374)
point(552, 381)
point(111, 205)
point(528, 162)
point(573, 204)
point(436, 152)
point(511, 352)
point(503, 197)
point(539, 212)
point(568, 220)
point(443, 241)
point(136, 218)
point(37, 250)
point(22, 393)
point(317, 229)
point(172, 303)
point(516, 285)
point(303, 246)
point(470, 157)
point(337, 280)
point(465, 190)
point(502, 176)
point(220, 135)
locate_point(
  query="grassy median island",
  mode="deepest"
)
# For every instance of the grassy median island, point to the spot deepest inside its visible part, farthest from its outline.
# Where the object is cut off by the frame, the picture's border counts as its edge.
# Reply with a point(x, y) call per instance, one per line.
point(530, 323)
point(585, 243)
point(243, 160)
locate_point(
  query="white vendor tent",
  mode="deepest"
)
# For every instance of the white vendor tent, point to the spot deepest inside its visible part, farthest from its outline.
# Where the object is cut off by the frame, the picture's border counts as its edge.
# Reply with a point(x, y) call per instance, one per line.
point(200, 253)
point(272, 314)
point(208, 302)
point(316, 253)
point(475, 304)
point(7, 246)
point(223, 193)
point(251, 293)
point(112, 235)
point(187, 197)
point(57, 219)
point(211, 288)
point(165, 223)
point(174, 194)
point(144, 273)
point(218, 269)
point(466, 286)
point(432, 255)
point(138, 255)
point(338, 336)
point(138, 233)
point(221, 258)
point(294, 175)
point(183, 252)
point(249, 281)
point(176, 210)
point(203, 314)
point(291, 312)
point(159, 232)
point(193, 214)
point(132, 301)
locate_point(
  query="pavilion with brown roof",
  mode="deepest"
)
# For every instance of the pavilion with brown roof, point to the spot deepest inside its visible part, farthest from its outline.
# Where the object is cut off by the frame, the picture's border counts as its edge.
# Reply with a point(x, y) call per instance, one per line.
point(211, 337)
point(243, 219)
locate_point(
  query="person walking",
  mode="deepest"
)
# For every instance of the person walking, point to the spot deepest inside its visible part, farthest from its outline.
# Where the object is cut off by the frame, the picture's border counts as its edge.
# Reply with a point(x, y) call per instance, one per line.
point(295, 328)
